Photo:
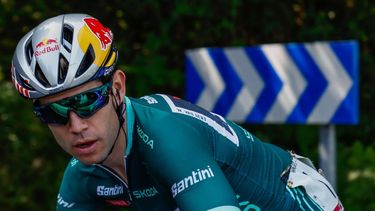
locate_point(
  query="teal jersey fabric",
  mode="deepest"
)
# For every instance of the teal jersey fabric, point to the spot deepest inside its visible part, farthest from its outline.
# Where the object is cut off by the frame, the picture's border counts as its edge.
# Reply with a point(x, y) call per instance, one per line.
point(90, 188)
point(182, 156)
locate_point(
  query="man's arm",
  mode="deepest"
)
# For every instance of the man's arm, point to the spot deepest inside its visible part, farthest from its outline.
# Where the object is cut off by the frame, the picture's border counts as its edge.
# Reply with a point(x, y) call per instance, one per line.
point(182, 157)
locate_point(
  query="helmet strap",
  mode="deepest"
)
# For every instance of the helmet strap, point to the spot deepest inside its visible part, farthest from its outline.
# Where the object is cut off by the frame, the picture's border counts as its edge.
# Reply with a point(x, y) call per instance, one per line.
point(120, 111)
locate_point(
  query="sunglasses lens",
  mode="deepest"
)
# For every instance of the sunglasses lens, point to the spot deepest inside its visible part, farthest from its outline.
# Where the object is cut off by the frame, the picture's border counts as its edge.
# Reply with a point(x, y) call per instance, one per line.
point(84, 105)
point(48, 116)
point(93, 103)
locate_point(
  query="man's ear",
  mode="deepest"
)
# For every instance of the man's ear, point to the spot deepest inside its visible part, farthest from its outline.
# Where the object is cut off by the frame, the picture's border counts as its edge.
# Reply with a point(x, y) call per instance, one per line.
point(119, 82)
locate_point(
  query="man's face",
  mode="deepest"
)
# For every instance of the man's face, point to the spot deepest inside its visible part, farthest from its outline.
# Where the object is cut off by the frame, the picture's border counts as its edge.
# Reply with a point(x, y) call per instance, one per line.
point(87, 139)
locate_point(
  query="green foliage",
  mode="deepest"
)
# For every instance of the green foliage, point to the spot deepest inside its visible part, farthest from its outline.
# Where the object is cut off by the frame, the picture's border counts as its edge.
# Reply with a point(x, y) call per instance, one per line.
point(152, 37)
point(357, 167)
point(28, 174)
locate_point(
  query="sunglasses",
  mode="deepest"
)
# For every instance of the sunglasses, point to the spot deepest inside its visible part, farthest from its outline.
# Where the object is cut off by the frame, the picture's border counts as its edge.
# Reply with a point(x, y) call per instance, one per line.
point(84, 105)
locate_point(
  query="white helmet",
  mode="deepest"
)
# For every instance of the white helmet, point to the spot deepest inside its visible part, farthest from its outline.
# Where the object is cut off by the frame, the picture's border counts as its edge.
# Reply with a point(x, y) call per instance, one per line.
point(61, 53)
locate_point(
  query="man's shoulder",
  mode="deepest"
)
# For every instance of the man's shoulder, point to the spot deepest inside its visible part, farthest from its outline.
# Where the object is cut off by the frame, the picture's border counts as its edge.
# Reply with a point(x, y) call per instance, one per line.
point(74, 184)
point(87, 187)
point(164, 103)
point(152, 100)
point(154, 108)
point(76, 169)
point(85, 177)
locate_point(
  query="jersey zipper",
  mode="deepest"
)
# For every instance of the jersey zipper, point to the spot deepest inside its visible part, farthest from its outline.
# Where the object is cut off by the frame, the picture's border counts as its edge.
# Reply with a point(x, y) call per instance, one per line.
point(118, 177)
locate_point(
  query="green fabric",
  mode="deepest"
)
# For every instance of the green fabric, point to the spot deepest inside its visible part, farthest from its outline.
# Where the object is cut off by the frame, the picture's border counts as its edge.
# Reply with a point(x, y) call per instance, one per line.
point(180, 155)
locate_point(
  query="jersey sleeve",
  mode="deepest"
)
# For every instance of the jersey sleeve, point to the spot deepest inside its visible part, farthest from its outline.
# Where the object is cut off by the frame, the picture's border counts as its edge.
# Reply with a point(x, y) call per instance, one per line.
point(181, 157)
point(74, 192)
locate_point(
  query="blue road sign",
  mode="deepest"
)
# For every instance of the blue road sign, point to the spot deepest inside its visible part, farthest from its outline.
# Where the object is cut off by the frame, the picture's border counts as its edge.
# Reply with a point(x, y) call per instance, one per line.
point(304, 83)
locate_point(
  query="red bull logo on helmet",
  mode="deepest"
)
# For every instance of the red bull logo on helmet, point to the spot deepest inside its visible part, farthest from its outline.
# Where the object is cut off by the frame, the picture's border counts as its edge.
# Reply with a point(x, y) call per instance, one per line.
point(46, 46)
point(103, 34)
point(46, 42)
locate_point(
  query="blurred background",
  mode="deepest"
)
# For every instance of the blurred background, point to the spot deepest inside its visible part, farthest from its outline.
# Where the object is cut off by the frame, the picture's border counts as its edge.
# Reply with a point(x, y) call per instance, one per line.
point(152, 36)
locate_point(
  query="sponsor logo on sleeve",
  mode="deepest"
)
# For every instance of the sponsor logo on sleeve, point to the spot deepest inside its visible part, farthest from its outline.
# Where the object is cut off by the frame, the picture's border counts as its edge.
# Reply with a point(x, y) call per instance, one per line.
point(196, 176)
point(102, 190)
point(246, 205)
point(73, 162)
point(145, 193)
point(61, 202)
point(150, 100)
point(145, 138)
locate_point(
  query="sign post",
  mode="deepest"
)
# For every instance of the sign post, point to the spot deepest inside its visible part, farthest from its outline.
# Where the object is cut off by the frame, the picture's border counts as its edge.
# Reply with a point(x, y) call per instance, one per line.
point(327, 153)
point(294, 83)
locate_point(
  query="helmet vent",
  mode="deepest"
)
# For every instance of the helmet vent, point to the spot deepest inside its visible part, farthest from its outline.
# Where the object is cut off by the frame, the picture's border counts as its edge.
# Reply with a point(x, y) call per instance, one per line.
point(109, 57)
point(63, 69)
point(26, 84)
point(41, 77)
point(67, 37)
point(86, 61)
point(29, 52)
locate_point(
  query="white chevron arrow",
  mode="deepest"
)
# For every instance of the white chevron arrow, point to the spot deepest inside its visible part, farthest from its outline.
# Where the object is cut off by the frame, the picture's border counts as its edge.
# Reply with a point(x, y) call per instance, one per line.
point(339, 82)
point(293, 82)
point(252, 87)
point(214, 84)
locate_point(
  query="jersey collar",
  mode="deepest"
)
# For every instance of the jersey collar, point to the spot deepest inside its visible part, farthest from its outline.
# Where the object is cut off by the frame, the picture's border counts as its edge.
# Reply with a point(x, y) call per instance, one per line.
point(130, 120)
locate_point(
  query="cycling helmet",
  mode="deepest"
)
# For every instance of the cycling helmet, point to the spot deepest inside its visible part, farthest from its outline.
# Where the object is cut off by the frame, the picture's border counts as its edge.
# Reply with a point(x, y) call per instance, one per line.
point(61, 53)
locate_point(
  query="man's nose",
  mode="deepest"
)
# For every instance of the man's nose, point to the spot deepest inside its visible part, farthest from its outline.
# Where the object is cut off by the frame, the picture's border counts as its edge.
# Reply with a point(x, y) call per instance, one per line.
point(76, 123)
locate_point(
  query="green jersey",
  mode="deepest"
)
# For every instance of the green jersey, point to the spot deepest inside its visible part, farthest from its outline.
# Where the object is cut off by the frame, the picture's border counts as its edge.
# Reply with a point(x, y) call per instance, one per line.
point(180, 156)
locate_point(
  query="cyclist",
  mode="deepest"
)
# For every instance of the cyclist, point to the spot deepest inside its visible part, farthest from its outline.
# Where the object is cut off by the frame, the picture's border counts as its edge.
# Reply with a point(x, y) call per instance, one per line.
point(157, 152)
